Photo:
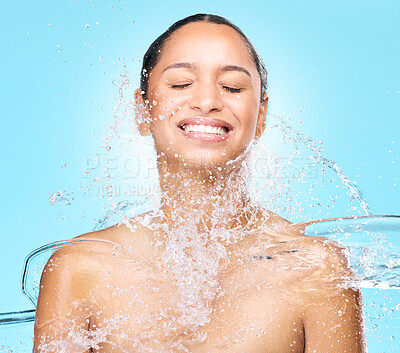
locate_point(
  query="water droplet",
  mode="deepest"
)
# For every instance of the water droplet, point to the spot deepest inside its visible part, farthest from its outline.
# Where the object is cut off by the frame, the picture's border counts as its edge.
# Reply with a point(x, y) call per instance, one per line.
point(87, 26)
point(162, 117)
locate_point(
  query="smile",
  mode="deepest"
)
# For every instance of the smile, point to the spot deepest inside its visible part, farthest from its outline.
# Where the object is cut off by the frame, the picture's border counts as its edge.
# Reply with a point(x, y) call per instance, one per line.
point(208, 129)
point(205, 129)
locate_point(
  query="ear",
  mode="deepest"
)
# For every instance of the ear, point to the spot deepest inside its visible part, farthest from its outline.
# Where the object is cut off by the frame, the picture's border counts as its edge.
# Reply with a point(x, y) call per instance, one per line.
point(142, 113)
point(262, 117)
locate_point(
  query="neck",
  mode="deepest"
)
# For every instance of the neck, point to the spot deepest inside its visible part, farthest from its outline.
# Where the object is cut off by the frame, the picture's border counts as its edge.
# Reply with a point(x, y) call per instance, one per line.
point(208, 198)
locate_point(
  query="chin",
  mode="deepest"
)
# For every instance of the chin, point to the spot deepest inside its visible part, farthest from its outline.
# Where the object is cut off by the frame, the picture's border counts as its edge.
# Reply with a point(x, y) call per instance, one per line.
point(207, 163)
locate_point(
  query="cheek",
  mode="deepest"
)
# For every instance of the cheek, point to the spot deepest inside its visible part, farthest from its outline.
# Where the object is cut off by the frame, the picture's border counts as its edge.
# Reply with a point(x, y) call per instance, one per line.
point(246, 108)
point(165, 104)
point(160, 136)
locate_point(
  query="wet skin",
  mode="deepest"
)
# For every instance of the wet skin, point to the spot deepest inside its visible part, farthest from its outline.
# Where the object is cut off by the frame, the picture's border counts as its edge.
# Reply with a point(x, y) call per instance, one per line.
point(279, 296)
point(280, 291)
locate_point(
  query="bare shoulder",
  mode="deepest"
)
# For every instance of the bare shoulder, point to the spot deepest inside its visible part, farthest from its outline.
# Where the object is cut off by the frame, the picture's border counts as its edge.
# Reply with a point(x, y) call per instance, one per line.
point(310, 262)
point(73, 280)
point(316, 273)
point(134, 234)
point(119, 233)
point(327, 253)
point(79, 262)
point(324, 276)
point(331, 301)
point(275, 220)
point(325, 261)
point(326, 249)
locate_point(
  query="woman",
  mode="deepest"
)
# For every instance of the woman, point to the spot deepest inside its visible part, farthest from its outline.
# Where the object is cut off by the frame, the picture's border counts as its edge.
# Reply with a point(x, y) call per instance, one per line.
point(210, 270)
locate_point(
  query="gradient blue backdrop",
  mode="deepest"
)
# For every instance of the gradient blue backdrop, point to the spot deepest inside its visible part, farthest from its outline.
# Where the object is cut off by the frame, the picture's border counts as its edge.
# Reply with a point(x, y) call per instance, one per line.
point(336, 61)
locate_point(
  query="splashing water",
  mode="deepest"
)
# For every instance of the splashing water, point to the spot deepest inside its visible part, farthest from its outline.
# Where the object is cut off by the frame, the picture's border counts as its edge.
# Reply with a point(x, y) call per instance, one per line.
point(198, 267)
point(59, 196)
point(318, 158)
point(272, 173)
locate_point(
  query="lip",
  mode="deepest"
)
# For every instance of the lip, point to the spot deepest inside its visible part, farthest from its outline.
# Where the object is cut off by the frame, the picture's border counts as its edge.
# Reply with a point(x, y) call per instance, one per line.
point(201, 136)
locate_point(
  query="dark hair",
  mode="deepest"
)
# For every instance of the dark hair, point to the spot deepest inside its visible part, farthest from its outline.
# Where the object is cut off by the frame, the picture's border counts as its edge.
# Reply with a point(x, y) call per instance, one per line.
point(152, 55)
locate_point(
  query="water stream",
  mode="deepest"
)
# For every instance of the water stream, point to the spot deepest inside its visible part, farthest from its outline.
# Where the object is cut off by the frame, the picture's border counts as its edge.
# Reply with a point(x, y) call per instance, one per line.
point(189, 269)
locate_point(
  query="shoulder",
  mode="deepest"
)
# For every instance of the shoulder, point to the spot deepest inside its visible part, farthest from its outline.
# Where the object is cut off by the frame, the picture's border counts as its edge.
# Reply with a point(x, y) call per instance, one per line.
point(331, 300)
point(324, 251)
point(311, 262)
point(330, 256)
point(324, 261)
point(325, 275)
point(79, 260)
point(276, 220)
point(131, 231)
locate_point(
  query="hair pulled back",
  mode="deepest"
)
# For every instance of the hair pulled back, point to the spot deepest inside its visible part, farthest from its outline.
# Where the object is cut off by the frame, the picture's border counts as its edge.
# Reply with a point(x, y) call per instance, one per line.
point(153, 53)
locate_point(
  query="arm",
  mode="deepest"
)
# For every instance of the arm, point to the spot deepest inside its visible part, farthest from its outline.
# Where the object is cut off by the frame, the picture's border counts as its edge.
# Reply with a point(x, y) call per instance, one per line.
point(63, 313)
point(333, 318)
point(335, 324)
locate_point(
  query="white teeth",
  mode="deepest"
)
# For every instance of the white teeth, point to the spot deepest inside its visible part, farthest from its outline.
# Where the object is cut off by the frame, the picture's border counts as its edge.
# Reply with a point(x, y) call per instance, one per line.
point(208, 129)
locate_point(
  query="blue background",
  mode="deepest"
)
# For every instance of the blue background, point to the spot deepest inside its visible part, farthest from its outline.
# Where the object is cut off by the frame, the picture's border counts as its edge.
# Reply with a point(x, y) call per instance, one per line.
point(336, 61)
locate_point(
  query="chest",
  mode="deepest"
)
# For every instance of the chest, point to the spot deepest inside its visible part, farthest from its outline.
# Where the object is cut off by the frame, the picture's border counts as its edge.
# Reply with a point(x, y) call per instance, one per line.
point(241, 311)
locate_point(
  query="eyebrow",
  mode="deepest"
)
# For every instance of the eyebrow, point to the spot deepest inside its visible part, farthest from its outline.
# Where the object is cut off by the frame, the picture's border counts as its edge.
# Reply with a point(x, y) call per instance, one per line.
point(236, 68)
point(179, 65)
point(225, 68)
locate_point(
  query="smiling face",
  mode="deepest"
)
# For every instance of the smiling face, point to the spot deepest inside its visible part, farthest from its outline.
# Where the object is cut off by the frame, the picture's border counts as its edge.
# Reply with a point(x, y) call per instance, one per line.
point(204, 97)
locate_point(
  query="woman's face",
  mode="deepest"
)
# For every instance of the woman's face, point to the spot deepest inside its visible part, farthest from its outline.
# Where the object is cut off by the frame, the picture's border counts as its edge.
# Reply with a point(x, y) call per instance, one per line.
point(204, 97)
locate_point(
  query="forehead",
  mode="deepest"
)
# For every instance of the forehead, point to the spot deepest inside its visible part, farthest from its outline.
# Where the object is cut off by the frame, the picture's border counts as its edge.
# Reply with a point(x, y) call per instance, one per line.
point(206, 41)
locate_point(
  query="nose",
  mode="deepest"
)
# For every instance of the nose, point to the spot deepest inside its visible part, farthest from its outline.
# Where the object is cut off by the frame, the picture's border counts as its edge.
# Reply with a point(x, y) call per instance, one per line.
point(206, 98)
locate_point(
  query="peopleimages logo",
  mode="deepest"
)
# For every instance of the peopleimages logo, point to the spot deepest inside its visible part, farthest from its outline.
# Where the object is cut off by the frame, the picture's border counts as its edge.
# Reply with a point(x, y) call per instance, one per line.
point(116, 190)
point(130, 168)
point(300, 168)
point(117, 167)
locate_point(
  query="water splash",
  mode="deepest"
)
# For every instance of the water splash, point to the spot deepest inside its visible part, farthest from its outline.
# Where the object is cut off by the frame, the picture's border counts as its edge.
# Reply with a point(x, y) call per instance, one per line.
point(318, 158)
point(59, 196)
point(194, 252)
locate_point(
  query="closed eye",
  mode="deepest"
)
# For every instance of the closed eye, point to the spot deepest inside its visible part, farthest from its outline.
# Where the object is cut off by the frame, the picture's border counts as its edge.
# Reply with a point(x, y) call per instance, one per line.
point(231, 89)
point(184, 85)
